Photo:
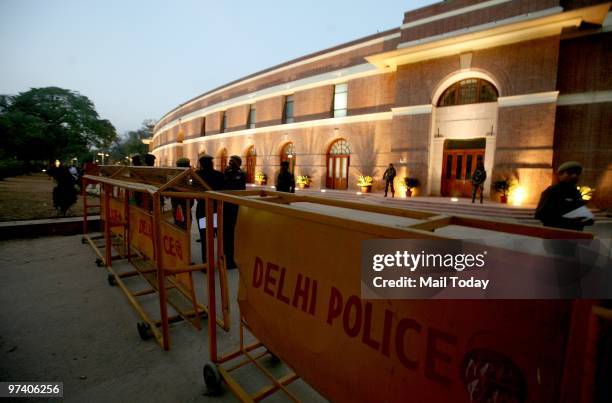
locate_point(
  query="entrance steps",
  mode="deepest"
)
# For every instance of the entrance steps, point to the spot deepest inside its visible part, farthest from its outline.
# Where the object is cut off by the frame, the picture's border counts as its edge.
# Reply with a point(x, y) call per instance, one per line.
point(444, 205)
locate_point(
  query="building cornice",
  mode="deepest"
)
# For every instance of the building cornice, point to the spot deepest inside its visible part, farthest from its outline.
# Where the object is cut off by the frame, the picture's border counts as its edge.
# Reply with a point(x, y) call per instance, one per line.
point(370, 117)
point(528, 99)
point(453, 13)
point(412, 110)
point(585, 98)
point(170, 145)
point(517, 30)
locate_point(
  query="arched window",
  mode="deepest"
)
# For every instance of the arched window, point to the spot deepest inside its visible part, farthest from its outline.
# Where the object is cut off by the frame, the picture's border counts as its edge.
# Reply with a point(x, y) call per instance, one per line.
point(251, 159)
point(468, 91)
point(288, 154)
point(223, 159)
point(338, 157)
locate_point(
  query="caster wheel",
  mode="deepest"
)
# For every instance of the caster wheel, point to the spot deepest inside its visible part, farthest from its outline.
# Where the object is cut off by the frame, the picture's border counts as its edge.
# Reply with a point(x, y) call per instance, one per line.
point(99, 262)
point(144, 330)
point(212, 378)
point(112, 281)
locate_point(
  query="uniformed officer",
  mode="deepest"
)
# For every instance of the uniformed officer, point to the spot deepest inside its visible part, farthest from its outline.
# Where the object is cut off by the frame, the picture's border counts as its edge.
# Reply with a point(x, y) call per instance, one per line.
point(389, 176)
point(214, 179)
point(235, 179)
point(285, 181)
point(561, 198)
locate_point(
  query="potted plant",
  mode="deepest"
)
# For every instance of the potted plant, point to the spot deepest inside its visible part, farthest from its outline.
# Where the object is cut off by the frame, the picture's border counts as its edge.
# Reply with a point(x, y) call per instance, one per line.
point(365, 182)
point(183, 162)
point(502, 187)
point(261, 178)
point(303, 181)
point(411, 183)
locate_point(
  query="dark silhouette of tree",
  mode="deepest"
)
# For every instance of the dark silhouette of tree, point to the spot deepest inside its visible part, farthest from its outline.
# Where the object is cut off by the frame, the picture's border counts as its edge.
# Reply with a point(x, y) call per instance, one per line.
point(45, 124)
point(131, 143)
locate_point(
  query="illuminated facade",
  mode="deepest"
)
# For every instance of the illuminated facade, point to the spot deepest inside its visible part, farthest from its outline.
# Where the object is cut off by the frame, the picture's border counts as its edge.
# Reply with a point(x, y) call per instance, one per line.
point(521, 85)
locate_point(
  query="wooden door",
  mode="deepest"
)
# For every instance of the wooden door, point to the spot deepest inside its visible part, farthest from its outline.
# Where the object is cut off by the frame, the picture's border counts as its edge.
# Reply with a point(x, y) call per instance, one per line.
point(250, 169)
point(457, 169)
point(337, 171)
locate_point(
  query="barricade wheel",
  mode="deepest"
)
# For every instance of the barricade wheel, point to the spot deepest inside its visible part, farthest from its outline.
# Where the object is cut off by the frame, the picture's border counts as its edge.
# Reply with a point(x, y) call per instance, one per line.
point(212, 378)
point(83, 240)
point(99, 262)
point(112, 281)
point(144, 330)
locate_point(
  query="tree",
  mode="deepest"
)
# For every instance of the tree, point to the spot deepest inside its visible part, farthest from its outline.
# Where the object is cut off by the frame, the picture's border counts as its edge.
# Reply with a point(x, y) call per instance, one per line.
point(131, 142)
point(45, 124)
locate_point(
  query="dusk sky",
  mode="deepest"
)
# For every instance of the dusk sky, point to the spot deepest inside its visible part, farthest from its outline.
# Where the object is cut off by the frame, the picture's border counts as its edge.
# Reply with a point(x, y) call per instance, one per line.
point(139, 59)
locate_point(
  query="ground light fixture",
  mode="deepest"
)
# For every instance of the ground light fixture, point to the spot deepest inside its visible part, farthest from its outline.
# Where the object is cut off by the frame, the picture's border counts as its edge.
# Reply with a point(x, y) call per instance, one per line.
point(454, 199)
point(517, 195)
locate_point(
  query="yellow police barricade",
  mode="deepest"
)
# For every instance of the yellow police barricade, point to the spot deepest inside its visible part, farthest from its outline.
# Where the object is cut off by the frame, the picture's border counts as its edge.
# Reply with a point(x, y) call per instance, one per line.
point(115, 211)
point(96, 241)
point(153, 241)
point(299, 296)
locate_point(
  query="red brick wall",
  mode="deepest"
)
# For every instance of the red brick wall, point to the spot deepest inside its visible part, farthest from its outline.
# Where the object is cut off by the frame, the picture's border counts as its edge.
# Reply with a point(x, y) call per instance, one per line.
point(411, 138)
point(173, 134)
point(237, 118)
point(477, 17)
point(371, 94)
point(193, 128)
point(524, 147)
point(585, 64)
point(314, 103)
point(521, 68)
point(583, 133)
point(270, 111)
point(213, 123)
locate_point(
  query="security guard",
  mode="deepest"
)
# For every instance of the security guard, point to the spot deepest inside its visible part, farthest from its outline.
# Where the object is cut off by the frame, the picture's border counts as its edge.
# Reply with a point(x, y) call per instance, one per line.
point(234, 180)
point(561, 198)
point(214, 179)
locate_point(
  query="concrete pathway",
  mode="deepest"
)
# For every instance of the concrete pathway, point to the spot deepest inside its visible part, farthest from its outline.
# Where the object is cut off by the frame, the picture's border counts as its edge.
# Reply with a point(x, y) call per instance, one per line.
point(61, 321)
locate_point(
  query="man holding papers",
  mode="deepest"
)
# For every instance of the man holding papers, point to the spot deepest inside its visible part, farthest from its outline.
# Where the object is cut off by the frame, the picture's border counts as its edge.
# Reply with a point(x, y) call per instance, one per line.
point(561, 205)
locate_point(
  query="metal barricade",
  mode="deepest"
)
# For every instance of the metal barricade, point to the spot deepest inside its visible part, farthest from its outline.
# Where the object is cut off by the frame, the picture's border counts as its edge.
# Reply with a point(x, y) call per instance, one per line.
point(299, 296)
point(136, 229)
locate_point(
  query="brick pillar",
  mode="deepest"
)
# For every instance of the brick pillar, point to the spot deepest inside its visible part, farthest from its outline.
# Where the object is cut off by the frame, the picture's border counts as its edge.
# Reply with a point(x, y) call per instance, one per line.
point(410, 142)
point(524, 148)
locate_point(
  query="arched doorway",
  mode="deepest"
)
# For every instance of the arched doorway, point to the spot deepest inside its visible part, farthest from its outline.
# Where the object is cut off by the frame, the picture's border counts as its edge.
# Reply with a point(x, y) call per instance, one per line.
point(251, 160)
point(464, 125)
point(288, 154)
point(338, 157)
point(223, 159)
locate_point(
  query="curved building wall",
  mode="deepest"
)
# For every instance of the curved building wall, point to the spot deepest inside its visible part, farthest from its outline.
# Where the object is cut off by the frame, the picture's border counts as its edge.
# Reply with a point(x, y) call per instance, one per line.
point(393, 83)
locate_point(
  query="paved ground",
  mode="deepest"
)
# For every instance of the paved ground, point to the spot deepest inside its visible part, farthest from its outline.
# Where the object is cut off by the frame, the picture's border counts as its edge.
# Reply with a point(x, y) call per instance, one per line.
point(61, 321)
